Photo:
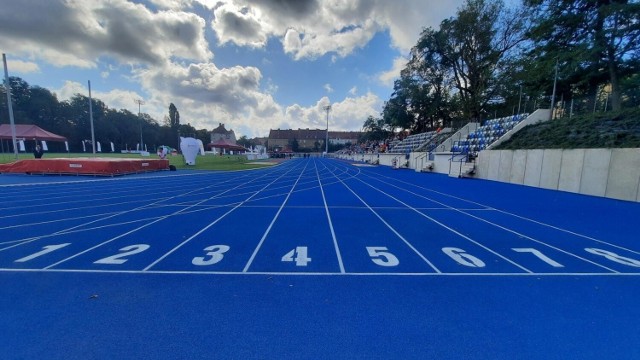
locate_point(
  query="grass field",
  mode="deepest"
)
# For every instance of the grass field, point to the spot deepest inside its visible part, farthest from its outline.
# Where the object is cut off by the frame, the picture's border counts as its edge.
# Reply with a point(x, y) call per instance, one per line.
point(208, 162)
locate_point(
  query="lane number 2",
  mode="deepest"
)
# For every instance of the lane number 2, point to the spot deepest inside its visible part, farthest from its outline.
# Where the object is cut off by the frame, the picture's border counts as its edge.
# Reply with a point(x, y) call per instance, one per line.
point(126, 251)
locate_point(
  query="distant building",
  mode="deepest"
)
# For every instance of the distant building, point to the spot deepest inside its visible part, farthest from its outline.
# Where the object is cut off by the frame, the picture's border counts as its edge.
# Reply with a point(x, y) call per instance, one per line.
point(220, 133)
point(308, 139)
point(223, 141)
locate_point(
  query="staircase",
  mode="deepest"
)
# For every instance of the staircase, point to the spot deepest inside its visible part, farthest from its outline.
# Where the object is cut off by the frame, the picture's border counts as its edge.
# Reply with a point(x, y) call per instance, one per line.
point(463, 169)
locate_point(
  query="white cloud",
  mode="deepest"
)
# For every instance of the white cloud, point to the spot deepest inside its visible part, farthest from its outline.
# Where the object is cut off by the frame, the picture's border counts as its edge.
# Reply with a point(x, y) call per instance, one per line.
point(388, 77)
point(292, 42)
point(345, 115)
point(77, 33)
point(115, 99)
point(309, 29)
point(22, 67)
point(163, 48)
point(241, 26)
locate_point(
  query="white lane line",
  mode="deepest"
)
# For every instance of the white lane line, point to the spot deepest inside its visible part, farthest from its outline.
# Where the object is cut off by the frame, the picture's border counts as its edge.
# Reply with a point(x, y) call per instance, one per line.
point(392, 228)
point(136, 229)
point(333, 233)
point(304, 274)
point(141, 207)
point(516, 215)
point(447, 227)
point(273, 221)
point(212, 223)
point(500, 227)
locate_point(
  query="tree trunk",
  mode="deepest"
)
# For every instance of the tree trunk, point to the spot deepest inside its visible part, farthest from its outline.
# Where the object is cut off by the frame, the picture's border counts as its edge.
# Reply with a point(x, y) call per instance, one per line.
point(616, 101)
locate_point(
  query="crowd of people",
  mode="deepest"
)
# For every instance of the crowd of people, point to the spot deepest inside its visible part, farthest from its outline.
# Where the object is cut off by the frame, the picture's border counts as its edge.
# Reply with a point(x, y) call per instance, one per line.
point(373, 146)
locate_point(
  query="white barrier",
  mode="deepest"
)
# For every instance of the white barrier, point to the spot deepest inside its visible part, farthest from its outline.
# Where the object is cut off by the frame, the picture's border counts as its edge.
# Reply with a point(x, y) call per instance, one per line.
point(612, 173)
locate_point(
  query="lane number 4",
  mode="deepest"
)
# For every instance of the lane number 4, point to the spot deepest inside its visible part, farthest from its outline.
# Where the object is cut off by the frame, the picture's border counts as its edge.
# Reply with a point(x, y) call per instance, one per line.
point(299, 255)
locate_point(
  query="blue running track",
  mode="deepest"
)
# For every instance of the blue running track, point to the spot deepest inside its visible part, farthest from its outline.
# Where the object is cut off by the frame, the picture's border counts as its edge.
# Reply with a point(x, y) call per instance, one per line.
point(313, 259)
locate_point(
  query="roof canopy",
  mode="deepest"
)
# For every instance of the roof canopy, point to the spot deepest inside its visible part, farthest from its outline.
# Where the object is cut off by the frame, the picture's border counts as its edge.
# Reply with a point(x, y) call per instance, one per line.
point(223, 144)
point(29, 132)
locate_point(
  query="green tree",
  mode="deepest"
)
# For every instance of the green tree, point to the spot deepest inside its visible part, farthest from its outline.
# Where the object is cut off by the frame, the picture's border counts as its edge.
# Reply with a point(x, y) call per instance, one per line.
point(396, 112)
point(471, 51)
point(174, 116)
point(374, 129)
point(595, 42)
point(243, 141)
point(295, 146)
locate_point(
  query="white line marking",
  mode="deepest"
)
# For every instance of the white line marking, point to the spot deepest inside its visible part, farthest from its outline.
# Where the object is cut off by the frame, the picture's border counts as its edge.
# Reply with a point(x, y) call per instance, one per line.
point(391, 228)
point(333, 233)
point(516, 215)
point(501, 227)
point(134, 230)
point(259, 273)
point(264, 236)
point(142, 207)
point(211, 224)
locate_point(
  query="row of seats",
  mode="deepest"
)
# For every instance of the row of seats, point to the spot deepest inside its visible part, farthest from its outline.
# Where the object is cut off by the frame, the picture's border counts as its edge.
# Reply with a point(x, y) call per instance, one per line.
point(486, 134)
point(411, 142)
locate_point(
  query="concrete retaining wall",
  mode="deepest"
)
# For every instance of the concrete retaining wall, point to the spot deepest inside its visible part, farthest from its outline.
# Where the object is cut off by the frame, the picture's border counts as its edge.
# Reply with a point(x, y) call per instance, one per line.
point(613, 173)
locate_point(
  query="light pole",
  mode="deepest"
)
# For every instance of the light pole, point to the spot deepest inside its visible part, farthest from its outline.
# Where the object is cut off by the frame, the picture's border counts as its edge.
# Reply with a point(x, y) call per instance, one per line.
point(93, 136)
point(520, 99)
point(327, 108)
point(140, 102)
point(12, 125)
point(553, 95)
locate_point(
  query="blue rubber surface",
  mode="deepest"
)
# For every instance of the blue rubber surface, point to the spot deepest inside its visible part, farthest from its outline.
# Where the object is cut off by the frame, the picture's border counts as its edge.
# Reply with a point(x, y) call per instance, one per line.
point(314, 258)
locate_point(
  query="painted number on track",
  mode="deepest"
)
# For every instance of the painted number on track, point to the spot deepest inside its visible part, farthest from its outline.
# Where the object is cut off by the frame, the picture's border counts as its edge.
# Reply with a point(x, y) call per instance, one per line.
point(45, 250)
point(215, 253)
point(380, 255)
point(126, 251)
point(299, 255)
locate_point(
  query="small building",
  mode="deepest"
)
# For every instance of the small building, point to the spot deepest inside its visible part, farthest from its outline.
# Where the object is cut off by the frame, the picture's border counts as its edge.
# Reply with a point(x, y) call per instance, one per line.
point(220, 133)
point(223, 141)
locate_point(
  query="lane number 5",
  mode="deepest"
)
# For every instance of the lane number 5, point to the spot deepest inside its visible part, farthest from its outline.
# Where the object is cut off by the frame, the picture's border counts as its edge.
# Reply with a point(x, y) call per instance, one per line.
point(380, 255)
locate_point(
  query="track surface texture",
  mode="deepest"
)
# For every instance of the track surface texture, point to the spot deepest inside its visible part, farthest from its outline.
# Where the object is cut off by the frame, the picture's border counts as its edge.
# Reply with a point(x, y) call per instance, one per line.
point(313, 259)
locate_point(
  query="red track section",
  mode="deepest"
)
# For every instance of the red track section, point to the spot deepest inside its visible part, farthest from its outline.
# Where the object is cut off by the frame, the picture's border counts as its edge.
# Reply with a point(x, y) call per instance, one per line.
point(85, 166)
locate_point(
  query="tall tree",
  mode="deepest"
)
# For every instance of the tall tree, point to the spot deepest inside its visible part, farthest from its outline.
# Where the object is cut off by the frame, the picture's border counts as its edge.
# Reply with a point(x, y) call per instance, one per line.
point(174, 116)
point(475, 48)
point(596, 41)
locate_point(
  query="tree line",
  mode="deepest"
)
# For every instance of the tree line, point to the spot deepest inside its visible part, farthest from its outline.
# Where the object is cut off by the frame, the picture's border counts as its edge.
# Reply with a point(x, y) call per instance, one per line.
point(491, 61)
point(70, 118)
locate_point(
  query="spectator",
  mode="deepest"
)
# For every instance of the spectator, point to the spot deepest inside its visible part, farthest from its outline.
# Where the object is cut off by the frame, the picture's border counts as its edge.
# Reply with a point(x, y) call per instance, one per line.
point(37, 152)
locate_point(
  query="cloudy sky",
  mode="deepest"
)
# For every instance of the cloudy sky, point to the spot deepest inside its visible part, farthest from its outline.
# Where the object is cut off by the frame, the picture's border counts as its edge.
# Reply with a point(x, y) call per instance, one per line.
point(252, 65)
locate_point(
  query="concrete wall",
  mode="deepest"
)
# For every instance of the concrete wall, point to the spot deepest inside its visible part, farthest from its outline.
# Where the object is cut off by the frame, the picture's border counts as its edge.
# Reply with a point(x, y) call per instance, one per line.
point(613, 173)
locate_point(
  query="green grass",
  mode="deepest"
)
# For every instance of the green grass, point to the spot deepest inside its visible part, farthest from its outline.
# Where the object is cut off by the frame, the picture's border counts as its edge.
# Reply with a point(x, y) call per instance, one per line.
point(207, 162)
point(600, 130)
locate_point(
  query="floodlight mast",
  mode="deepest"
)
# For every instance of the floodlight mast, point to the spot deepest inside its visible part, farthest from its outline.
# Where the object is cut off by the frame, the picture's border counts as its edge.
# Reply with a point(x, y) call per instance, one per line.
point(11, 121)
point(93, 137)
point(327, 108)
point(140, 102)
point(553, 95)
